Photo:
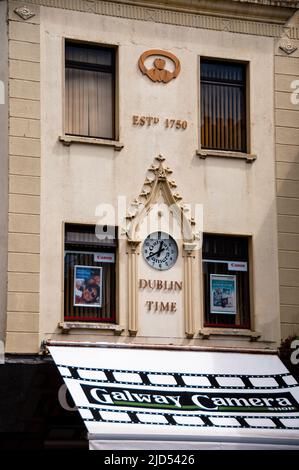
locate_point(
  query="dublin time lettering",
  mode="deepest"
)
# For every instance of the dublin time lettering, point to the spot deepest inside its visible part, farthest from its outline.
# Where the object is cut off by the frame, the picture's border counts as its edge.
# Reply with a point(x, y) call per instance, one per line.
point(155, 306)
point(157, 285)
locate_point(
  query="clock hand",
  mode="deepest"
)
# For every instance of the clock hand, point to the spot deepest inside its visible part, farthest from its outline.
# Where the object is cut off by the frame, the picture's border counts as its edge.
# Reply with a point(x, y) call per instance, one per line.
point(156, 252)
point(160, 248)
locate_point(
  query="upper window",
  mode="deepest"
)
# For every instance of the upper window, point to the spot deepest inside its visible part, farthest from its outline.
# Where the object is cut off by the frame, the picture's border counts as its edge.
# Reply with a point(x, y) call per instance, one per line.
point(89, 90)
point(226, 281)
point(223, 105)
point(89, 275)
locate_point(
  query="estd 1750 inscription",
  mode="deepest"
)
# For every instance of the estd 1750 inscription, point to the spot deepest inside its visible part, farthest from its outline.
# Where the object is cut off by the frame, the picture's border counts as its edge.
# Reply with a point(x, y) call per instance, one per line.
point(151, 121)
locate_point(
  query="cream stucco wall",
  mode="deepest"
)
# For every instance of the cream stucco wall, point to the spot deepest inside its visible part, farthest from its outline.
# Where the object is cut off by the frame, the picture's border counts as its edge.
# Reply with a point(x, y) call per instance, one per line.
point(237, 197)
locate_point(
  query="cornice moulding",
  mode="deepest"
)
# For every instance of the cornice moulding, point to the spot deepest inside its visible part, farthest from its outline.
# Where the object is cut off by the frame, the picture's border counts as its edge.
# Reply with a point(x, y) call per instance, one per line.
point(261, 11)
point(170, 12)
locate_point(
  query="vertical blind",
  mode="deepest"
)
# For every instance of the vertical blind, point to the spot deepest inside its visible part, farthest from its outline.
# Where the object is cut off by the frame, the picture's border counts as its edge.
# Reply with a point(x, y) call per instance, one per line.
point(89, 90)
point(223, 100)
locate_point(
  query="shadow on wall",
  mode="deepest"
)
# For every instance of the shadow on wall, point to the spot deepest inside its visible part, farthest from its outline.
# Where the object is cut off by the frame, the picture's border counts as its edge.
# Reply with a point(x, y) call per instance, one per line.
point(288, 237)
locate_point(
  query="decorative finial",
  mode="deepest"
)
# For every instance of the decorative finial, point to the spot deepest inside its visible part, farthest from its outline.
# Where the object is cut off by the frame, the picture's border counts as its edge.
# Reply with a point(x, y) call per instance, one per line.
point(24, 12)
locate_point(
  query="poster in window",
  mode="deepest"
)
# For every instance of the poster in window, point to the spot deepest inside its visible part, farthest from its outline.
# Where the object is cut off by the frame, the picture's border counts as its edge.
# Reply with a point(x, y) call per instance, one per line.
point(223, 294)
point(87, 286)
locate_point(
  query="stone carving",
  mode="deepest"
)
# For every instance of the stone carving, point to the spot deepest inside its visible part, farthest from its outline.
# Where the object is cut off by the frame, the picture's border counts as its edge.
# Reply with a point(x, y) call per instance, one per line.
point(182, 18)
point(24, 12)
point(158, 184)
point(158, 180)
point(287, 46)
point(158, 73)
point(226, 25)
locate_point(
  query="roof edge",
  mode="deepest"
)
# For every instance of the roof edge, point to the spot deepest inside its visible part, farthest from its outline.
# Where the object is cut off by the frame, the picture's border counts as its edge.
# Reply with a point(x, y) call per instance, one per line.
point(168, 347)
point(269, 11)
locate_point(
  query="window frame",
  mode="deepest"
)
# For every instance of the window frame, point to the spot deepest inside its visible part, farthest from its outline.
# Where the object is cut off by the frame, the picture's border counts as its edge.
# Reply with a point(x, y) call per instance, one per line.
point(98, 322)
point(204, 152)
point(249, 325)
point(68, 138)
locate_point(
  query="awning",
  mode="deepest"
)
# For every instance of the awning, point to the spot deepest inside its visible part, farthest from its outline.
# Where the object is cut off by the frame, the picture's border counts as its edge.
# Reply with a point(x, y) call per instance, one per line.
point(155, 399)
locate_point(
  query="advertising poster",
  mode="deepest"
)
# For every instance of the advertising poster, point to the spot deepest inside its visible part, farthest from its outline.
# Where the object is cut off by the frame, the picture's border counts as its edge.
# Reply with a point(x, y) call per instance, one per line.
point(223, 294)
point(87, 286)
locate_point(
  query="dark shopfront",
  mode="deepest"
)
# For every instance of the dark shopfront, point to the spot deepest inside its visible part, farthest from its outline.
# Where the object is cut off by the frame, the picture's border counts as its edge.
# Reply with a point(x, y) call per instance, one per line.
point(35, 407)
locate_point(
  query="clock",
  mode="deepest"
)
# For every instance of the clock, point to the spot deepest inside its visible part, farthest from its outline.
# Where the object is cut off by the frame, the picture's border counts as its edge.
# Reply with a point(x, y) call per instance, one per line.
point(160, 250)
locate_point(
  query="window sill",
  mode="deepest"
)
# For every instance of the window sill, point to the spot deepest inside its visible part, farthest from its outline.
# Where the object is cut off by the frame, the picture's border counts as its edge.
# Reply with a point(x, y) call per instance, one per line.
point(67, 326)
point(73, 139)
point(249, 157)
point(205, 333)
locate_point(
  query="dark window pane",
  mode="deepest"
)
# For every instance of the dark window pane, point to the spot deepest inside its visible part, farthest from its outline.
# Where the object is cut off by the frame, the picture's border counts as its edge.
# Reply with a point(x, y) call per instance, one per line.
point(89, 91)
point(223, 113)
point(83, 53)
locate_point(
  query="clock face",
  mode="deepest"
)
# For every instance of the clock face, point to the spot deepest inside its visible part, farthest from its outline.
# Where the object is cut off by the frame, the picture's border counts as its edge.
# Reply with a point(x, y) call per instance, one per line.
point(160, 250)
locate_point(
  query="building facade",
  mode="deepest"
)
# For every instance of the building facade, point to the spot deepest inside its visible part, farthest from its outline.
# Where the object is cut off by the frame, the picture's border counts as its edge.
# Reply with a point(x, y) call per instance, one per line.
point(286, 104)
point(152, 159)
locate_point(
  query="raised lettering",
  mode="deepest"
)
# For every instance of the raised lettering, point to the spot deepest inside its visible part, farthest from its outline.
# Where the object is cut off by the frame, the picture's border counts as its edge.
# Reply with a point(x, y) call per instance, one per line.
point(149, 304)
point(118, 396)
point(164, 306)
point(160, 399)
point(219, 401)
point(268, 401)
point(199, 401)
point(255, 401)
point(98, 395)
point(176, 400)
point(149, 120)
point(282, 401)
point(142, 283)
point(142, 398)
point(237, 402)
point(178, 285)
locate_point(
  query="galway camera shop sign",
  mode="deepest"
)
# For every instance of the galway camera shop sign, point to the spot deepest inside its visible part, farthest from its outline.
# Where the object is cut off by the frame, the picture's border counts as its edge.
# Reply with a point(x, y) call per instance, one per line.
point(129, 392)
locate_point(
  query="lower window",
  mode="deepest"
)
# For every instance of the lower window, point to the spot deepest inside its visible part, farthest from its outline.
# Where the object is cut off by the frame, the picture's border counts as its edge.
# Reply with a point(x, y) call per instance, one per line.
point(226, 281)
point(89, 275)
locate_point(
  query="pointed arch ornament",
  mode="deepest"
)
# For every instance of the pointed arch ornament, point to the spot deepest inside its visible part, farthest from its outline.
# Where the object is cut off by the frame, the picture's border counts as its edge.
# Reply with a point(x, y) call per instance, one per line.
point(158, 182)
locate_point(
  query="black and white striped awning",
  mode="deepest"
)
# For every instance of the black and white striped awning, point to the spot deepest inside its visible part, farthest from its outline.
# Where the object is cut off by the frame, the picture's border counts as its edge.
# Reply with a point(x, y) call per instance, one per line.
point(148, 397)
